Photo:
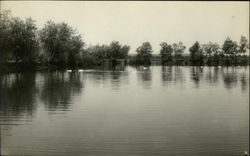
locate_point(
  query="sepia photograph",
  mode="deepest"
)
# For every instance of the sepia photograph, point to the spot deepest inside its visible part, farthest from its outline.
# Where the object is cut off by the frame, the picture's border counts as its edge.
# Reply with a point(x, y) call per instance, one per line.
point(124, 78)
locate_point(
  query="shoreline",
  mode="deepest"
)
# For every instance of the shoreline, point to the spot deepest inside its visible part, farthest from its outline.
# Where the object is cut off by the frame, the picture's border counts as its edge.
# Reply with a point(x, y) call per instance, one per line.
point(36, 68)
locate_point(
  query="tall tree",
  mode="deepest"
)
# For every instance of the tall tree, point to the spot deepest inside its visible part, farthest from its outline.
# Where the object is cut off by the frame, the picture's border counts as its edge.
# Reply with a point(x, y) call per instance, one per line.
point(209, 50)
point(124, 51)
point(75, 51)
point(230, 50)
point(244, 45)
point(61, 42)
point(23, 40)
point(144, 54)
point(166, 53)
point(196, 55)
point(99, 51)
point(117, 51)
point(178, 49)
point(4, 36)
point(243, 48)
point(217, 57)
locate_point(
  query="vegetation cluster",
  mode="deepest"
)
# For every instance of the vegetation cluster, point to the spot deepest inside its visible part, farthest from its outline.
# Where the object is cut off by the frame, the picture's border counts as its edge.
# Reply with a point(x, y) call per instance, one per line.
point(58, 45)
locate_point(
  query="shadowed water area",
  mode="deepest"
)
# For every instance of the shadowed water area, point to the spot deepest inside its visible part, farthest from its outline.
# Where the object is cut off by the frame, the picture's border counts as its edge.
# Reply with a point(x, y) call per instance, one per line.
point(156, 111)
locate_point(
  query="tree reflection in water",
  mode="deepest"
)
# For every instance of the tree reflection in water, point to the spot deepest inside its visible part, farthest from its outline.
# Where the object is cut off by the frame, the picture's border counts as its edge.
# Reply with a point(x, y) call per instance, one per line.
point(166, 74)
point(212, 75)
point(172, 74)
point(18, 94)
point(196, 74)
point(244, 78)
point(144, 75)
point(230, 77)
point(17, 99)
point(244, 81)
point(178, 75)
point(118, 78)
point(109, 78)
point(58, 89)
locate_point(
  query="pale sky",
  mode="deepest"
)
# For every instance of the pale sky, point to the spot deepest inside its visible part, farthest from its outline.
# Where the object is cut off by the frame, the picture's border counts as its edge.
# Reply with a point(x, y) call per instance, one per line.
point(135, 22)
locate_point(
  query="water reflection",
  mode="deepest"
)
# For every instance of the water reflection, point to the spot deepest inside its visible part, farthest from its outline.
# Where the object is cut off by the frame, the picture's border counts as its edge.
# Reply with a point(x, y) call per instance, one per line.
point(196, 74)
point(144, 75)
point(212, 75)
point(58, 89)
point(142, 116)
point(172, 75)
point(178, 74)
point(117, 66)
point(108, 78)
point(17, 94)
point(166, 75)
point(99, 77)
point(244, 81)
point(230, 77)
point(118, 78)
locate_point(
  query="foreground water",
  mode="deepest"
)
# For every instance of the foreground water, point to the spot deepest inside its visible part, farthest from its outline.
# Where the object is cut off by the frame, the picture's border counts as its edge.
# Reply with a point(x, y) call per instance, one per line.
point(175, 111)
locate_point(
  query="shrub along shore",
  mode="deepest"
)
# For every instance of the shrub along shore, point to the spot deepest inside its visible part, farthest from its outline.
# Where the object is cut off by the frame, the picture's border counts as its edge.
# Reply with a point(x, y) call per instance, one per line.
point(59, 46)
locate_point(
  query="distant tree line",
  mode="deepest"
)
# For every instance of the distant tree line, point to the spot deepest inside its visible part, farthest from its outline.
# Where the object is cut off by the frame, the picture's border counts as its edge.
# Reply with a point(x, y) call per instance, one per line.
point(59, 45)
point(211, 54)
point(230, 53)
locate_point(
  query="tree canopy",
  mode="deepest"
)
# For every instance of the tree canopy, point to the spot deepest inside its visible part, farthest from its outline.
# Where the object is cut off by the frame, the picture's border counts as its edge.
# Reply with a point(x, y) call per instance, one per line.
point(60, 45)
point(144, 54)
point(166, 52)
point(61, 42)
point(196, 55)
point(18, 39)
point(209, 50)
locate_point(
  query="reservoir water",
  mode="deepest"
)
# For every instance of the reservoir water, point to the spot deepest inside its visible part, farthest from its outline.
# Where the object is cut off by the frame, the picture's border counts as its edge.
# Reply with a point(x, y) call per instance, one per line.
point(156, 111)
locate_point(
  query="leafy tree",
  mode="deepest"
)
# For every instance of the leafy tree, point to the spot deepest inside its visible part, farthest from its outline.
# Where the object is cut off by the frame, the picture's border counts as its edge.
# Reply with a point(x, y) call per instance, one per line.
point(4, 36)
point(209, 49)
point(18, 41)
point(144, 54)
point(244, 45)
point(117, 51)
point(124, 51)
point(196, 55)
point(75, 50)
point(217, 56)
point(112, 52)
point(166, 53)
point(23, 40)
point(87, 58)
point(178, 49)
point(229, 47)
point(61, 42)
point(96, 54)
point(230, 50)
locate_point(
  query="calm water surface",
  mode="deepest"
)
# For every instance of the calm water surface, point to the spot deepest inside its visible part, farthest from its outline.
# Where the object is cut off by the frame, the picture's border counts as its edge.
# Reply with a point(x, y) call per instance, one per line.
point(158, 111)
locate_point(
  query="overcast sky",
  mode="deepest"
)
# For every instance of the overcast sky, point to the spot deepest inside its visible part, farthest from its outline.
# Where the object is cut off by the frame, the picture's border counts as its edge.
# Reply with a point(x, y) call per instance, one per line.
point(135, 22)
